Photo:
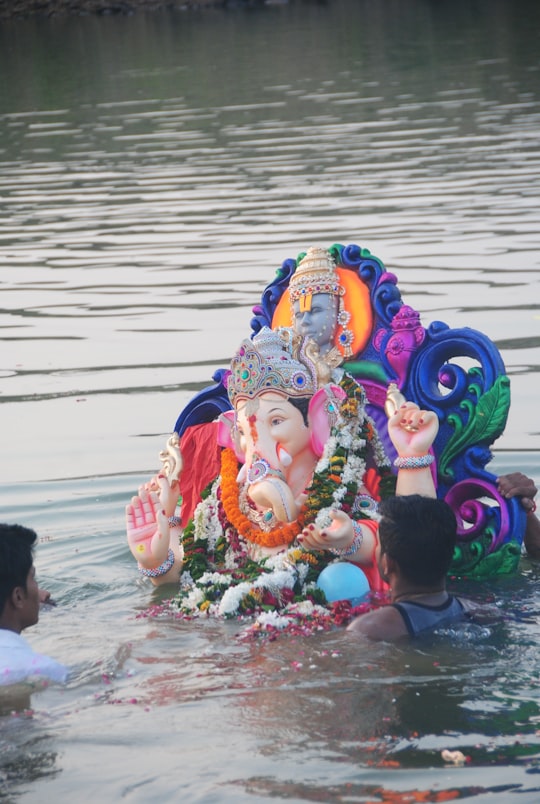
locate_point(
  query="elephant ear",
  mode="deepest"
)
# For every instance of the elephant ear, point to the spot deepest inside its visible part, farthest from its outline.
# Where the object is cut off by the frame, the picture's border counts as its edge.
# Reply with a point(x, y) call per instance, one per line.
point(225, 434)
point(322, 414)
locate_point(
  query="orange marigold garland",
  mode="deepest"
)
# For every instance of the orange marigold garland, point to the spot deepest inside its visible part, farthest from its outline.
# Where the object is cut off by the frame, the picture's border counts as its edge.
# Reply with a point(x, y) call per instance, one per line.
point(283, 535)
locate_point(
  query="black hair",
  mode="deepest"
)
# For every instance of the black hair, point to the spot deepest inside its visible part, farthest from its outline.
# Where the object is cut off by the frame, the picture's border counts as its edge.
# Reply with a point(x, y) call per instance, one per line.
point(419, 534)
point(16, 559)
point(301, 403)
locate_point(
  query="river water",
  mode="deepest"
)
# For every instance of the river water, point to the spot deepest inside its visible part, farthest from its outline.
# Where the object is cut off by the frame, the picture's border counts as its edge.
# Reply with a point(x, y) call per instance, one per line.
point(155, 171)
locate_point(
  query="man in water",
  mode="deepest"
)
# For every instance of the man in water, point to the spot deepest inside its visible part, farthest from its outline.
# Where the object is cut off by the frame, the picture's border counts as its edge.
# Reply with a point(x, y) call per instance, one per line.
point(19, 609)
point(417, 539)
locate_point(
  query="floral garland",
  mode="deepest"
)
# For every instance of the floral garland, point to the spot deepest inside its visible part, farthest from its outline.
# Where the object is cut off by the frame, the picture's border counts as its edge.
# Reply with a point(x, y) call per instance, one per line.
point(277, 594)
point(220, 579)
point(336, 478)
point(297, 619)
point(284, 534)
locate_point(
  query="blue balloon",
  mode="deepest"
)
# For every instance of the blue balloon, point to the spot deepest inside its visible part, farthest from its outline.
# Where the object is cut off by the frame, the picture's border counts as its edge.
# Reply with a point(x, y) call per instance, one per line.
point(343, 581)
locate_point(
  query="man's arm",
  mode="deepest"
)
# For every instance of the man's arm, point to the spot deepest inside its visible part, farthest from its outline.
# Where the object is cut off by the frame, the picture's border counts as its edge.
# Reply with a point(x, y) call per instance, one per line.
point(517, 484)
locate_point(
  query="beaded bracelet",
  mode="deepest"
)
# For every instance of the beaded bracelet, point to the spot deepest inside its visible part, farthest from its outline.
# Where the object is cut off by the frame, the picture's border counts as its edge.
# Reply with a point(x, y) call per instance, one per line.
point(161, 570)
point(354, 546)
point(414, 461)
point(175, 521)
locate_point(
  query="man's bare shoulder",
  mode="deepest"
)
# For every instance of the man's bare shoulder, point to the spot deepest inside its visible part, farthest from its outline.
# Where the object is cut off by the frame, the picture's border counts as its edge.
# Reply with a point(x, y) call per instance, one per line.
point(384, 624)
point(480, 612)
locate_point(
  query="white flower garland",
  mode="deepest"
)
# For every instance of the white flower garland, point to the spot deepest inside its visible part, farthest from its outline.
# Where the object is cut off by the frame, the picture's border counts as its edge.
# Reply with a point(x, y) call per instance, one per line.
point(206, 521)
point(344, 435)
point(282, 619)
point(284, 571)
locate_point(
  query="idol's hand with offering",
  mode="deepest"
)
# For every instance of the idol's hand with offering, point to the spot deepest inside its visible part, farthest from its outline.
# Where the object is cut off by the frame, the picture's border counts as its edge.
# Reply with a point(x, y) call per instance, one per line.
point(343, 537)
point(156, 550)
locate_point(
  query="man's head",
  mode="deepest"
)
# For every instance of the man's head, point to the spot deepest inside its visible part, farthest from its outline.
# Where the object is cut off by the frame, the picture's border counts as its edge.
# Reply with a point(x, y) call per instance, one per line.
point(19, 594)
point(418, 534)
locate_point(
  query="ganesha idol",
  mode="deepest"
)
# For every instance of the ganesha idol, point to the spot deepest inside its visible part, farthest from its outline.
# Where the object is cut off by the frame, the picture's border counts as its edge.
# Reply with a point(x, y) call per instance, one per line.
point(280, 465)
point(345, 300)
point(300, 472)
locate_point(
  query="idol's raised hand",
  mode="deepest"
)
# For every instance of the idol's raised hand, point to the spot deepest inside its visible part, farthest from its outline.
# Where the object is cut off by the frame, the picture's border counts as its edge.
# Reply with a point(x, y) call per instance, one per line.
point(167, 490)
point(412, 430)
point(147, 529)
point(152, 539)
point(153, 529)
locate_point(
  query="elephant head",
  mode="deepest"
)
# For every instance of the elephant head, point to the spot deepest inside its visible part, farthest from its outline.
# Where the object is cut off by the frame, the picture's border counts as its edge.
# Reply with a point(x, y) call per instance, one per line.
point(279, 440)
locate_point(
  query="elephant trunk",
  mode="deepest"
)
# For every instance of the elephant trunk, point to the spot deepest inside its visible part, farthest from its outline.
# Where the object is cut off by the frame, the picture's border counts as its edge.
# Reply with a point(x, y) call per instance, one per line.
point(275, 494)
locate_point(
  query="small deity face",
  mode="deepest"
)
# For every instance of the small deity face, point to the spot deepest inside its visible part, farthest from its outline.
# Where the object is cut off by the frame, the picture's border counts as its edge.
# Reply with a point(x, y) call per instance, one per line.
point(275, 432)
point(319, 321)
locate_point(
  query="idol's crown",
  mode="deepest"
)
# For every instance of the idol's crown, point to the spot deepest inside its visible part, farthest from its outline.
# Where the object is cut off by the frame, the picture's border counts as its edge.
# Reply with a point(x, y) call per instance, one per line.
point(270, 362)
point(315, 273)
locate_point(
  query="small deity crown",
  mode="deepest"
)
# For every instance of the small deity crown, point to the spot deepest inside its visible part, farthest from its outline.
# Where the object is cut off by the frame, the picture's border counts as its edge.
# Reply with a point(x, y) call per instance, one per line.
point(315, 273)
point(273, 361)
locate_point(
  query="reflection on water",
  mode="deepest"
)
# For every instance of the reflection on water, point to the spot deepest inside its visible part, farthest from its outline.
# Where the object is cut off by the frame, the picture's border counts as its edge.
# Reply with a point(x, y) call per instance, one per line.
point(155, 171)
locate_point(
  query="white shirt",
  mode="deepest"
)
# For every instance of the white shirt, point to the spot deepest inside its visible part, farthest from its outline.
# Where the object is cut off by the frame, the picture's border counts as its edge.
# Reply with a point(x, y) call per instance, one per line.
point(18, 662)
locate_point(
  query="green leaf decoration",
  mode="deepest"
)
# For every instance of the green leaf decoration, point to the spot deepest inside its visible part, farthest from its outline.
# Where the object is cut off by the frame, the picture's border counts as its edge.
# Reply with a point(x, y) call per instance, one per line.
point(335, 250)
point(504, 561)
point(484, 422)
point(367, 370)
